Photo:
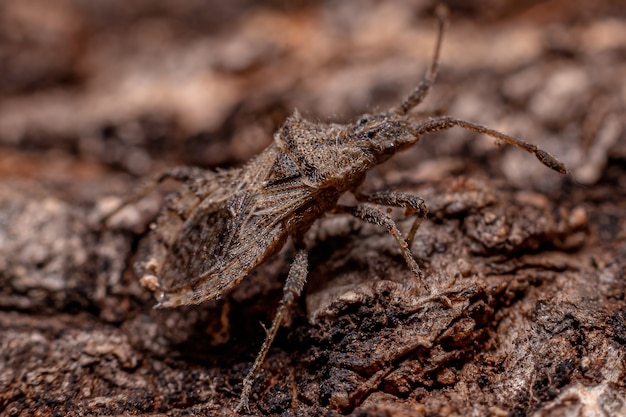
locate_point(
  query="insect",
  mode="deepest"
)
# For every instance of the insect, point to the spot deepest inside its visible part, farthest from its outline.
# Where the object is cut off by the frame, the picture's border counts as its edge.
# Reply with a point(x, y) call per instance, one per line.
point(219, 226)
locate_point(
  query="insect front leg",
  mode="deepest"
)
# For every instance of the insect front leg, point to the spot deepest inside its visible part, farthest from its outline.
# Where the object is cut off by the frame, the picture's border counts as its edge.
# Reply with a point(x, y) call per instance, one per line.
point(376, 216)
point(291, 291)
point(412, 203)
point(181, 174)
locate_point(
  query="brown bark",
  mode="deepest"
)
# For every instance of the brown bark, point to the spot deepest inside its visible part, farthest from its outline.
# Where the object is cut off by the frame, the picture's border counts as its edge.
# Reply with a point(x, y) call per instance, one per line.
point(532, 264)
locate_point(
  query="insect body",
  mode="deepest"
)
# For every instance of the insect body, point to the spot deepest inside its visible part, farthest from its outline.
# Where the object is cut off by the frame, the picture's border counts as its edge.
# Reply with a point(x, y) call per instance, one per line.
point(221, 225)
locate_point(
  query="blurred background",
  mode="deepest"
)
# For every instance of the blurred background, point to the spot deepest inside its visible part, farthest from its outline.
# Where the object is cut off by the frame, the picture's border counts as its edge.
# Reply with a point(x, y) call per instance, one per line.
point(126, 88)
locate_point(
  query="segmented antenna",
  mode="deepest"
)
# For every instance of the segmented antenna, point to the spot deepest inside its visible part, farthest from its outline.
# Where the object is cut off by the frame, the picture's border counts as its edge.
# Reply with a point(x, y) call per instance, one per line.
point(421, 91)
point(446, 122)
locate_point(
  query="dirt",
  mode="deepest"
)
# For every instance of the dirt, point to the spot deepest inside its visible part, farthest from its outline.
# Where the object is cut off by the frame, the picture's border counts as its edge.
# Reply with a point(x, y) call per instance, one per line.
point(97, 97)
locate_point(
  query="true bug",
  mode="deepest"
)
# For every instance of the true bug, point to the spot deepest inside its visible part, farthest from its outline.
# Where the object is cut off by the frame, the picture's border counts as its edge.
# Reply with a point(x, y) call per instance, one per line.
point(221, 225)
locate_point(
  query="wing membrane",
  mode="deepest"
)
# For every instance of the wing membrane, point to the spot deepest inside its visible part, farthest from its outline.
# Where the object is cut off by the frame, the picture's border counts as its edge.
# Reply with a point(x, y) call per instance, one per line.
point(230, 232)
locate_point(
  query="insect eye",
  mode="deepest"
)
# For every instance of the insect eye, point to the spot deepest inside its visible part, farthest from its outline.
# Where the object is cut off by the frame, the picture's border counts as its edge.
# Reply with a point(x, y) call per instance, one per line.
point(370, 134)
point(389, 147)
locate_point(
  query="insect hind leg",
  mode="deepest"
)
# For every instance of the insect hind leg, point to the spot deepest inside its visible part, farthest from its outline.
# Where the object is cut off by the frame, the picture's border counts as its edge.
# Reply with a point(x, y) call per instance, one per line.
point(291, 291)
point(180, 174)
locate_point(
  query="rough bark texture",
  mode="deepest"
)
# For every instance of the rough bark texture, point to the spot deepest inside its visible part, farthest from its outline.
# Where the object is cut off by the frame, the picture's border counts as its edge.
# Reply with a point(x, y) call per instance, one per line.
point(95, 96)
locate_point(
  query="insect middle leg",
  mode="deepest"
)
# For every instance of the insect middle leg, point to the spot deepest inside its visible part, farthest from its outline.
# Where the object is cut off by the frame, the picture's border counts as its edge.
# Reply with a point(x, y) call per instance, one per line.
point(412, 203)
point(291, 291)
point(376, 216)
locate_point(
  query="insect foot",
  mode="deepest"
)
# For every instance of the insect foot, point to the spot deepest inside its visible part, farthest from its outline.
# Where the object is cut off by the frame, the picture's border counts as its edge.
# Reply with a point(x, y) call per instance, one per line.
point(219, 226)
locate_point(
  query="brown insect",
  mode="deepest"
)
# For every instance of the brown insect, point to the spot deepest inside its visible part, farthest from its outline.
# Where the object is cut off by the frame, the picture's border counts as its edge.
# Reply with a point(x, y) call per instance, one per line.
point(221, 225)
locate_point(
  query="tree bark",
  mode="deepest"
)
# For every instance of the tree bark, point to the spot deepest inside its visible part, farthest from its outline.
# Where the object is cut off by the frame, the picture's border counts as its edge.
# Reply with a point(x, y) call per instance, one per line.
point(528, 266)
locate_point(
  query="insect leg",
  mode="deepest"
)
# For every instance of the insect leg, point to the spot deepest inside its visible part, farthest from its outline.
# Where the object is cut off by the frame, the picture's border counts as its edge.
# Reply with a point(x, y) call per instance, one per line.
point(291, 291)
point(376, 216)
point(412, 203)
point(180, 174)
